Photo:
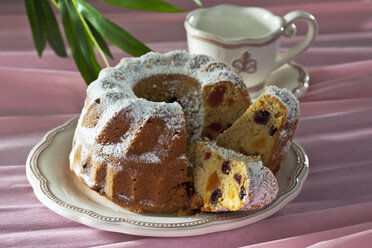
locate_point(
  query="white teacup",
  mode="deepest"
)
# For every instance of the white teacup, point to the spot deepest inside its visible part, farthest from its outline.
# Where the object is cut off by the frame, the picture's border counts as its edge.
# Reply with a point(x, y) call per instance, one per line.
point(247, 38)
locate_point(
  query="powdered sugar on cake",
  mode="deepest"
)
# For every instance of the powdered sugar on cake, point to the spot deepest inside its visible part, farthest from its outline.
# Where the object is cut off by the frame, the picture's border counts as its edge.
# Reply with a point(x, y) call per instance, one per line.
point(262, 185)
point(289, 101)
point(114, 87)
point(125, 128)
point(293, 111)
point(230, 154)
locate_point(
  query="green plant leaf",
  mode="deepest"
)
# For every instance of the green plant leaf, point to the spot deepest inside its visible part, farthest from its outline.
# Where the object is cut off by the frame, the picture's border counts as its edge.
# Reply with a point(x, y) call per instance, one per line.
point(199, 3)
point(100, 40)
point(81, 47)
point(34, 13)
point(112, 32)
point(147, 5)
point(53, 34)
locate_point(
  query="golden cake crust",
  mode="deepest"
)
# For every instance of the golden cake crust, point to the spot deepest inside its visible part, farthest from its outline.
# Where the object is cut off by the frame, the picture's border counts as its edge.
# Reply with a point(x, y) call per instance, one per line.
point(139, 117)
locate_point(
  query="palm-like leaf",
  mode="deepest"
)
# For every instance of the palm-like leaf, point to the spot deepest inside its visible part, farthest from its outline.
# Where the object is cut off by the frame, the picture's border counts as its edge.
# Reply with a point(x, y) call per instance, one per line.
point(111, 31)
point(53, 34)
point(100, 40)
point(81, 47)
point(147, 5)
point(85, 29)
point(35, 17)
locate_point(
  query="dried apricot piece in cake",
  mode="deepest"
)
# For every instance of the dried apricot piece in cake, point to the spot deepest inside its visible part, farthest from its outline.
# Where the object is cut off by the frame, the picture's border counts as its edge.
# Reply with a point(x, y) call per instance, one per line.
point(223, 102)
point(225, 180)
point(266, 128)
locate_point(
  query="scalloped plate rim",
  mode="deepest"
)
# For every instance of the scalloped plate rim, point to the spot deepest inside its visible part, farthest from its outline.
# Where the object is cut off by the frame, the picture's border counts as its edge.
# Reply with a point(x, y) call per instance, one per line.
point(39, 184)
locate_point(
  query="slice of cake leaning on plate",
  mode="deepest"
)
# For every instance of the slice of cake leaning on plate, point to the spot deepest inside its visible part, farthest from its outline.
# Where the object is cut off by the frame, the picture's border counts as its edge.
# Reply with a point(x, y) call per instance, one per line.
point(266, 128)
point(225, 180)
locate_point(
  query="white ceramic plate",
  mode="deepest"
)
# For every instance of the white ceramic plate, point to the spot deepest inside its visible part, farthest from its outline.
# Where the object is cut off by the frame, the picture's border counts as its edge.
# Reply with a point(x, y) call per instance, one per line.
point(291, 76)
point(56, 187)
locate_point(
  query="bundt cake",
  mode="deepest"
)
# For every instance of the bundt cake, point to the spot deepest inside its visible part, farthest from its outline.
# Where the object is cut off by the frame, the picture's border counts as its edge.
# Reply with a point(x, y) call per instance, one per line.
point(225, 180)
point(266, 128)
point(140, 116)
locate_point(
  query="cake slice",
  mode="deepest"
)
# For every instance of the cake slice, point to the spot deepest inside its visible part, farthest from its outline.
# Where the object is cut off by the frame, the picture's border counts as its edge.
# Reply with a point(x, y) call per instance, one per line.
point(225, 180)
point(266, 128)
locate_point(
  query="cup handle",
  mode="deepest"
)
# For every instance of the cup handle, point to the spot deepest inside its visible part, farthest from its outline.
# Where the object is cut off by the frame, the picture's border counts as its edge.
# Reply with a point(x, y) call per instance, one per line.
point(289, 31)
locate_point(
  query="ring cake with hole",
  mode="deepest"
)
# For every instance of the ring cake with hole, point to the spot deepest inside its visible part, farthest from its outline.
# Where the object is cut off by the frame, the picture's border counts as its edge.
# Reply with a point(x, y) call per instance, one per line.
point(139, 119)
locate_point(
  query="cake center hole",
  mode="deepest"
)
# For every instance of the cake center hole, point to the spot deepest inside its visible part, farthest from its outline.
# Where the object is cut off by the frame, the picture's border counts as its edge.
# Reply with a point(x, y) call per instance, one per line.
point(172, 88)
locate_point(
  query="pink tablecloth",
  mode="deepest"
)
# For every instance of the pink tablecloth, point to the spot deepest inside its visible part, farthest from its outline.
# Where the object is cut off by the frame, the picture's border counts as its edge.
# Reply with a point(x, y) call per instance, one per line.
point(334, 209)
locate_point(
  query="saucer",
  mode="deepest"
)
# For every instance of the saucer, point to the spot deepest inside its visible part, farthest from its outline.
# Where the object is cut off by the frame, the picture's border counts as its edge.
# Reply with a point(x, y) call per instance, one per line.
point(291, 76)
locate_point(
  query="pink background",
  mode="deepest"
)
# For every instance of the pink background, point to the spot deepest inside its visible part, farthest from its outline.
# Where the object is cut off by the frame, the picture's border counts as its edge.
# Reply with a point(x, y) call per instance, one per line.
point(334, 209)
